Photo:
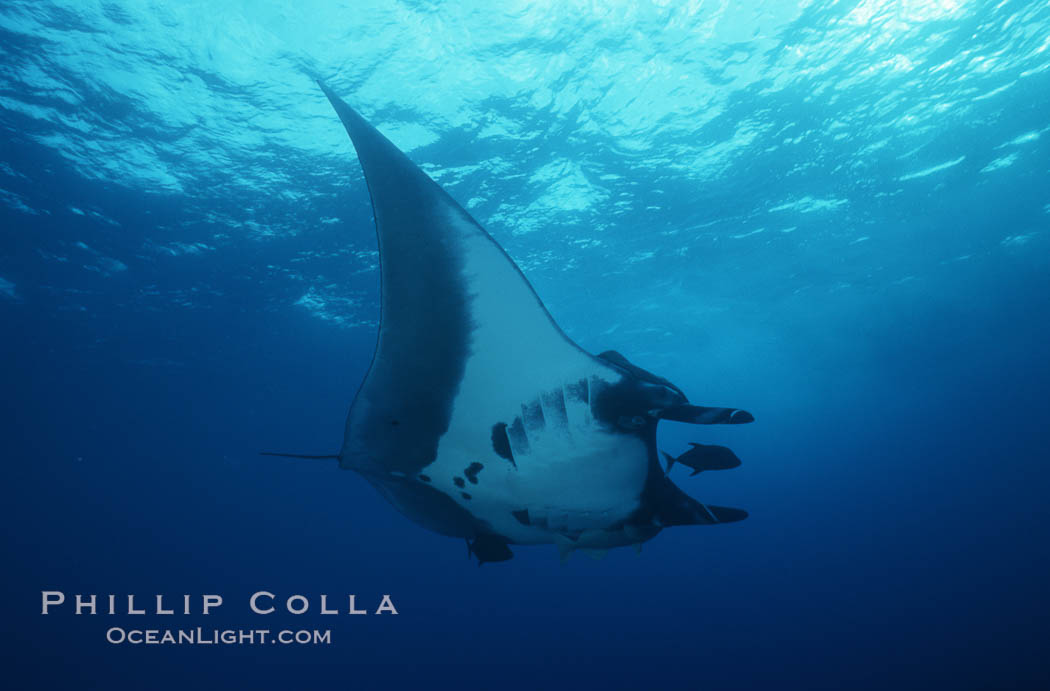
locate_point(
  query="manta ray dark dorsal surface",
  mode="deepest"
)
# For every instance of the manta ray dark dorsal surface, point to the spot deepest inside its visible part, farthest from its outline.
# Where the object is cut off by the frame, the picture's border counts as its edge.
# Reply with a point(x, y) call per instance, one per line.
point(418, 296)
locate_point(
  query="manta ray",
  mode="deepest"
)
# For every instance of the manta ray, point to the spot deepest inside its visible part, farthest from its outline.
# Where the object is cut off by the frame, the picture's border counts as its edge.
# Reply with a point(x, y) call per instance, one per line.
point(478, 417)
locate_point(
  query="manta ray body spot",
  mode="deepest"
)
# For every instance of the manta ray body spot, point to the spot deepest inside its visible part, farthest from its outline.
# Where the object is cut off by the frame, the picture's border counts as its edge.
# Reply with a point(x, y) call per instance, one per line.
point(472, 471)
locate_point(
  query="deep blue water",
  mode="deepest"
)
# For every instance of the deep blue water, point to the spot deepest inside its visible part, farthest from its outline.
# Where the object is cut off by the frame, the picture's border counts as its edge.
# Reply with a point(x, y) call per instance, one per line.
point(834, 215)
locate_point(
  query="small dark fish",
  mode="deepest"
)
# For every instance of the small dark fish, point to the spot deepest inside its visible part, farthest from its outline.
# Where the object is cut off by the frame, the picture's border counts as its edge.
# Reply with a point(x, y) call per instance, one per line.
point(703, 457)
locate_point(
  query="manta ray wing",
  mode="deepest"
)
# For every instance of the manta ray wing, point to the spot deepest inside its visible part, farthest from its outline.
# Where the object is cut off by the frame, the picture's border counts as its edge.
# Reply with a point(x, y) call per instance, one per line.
point(458, 319)
point(478, 416)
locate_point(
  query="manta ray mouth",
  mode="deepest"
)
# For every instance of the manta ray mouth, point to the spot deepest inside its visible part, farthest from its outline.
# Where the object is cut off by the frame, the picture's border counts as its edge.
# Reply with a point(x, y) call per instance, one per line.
point(478, 417)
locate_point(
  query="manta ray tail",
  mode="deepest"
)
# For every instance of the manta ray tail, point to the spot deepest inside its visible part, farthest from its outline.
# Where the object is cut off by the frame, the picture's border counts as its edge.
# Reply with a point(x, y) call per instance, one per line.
point(298, 455)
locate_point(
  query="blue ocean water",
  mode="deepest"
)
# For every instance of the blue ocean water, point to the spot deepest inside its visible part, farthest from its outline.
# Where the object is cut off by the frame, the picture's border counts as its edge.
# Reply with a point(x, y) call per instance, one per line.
point(833, 214)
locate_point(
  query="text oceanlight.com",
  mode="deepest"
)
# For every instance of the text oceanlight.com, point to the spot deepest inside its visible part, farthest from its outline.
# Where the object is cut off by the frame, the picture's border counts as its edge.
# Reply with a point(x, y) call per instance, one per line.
point(201, 636)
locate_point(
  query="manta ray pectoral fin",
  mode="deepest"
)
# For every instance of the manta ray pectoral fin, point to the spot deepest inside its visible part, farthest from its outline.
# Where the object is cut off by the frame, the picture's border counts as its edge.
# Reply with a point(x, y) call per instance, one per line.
point(700, 415)
point(455, 311)
point(300, 455)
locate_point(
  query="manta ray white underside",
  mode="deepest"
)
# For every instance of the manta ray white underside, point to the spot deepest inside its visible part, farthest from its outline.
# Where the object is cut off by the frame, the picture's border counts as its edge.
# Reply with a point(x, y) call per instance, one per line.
point(478, 417)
